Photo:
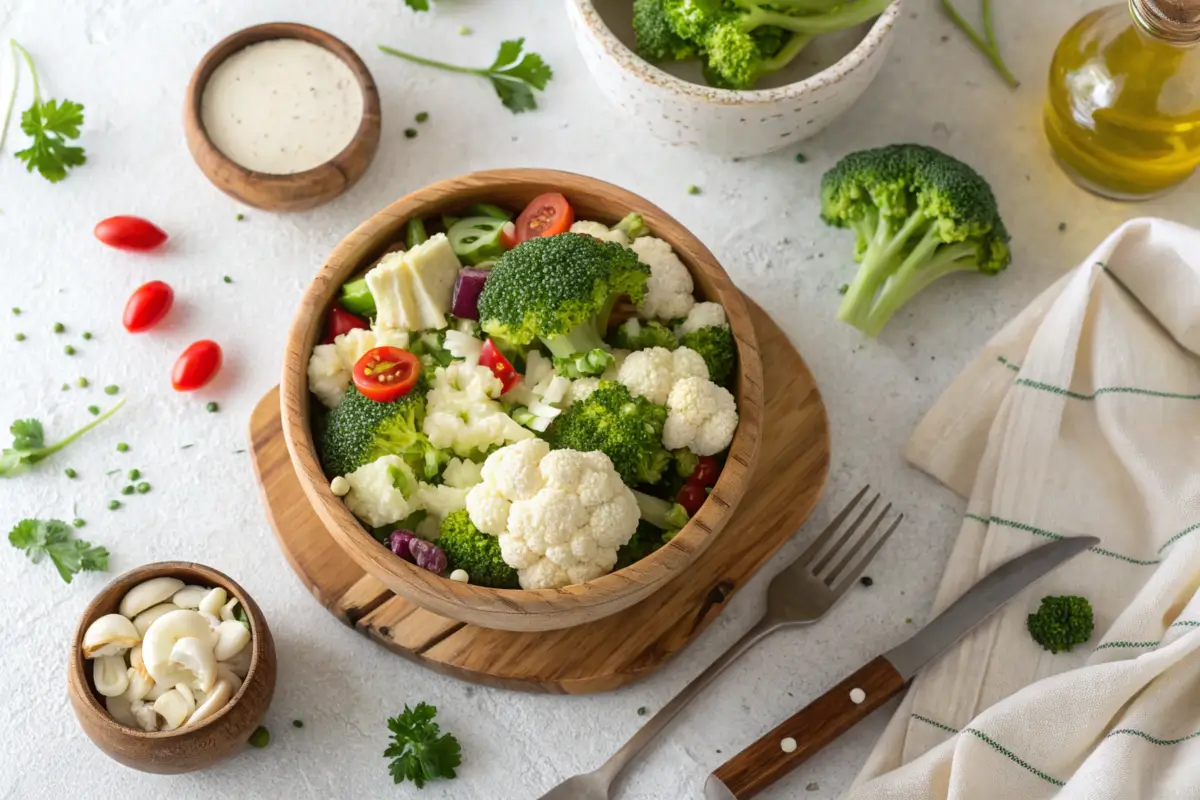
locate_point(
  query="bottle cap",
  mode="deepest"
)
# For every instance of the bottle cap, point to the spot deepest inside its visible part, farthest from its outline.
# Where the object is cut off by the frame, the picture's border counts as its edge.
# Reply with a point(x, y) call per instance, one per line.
point(1174, 21)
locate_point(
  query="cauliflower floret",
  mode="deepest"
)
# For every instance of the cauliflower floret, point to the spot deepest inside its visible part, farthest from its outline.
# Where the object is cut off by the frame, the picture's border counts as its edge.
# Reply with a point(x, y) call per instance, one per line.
point(669, 288)
point(331, 366)
point(462, 414)
point(560, 515)
point(462, 473)
point(582, 389)
point(701, 416)
point(465, 346)
point(702, 315)
point(377, 491)
point(439, 501)
point(598, 230)
point(653, 372)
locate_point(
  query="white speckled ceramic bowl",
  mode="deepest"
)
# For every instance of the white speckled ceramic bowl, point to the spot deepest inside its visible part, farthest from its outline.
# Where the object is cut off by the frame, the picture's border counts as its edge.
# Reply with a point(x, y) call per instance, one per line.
point(731, 123)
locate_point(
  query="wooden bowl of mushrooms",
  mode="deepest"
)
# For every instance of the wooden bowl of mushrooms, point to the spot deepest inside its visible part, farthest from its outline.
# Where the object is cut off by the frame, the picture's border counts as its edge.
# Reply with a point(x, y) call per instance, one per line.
point(172, 668)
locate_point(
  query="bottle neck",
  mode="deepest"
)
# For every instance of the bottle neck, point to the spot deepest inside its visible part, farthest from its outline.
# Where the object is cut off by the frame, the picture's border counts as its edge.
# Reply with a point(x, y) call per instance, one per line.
point(1175, 22)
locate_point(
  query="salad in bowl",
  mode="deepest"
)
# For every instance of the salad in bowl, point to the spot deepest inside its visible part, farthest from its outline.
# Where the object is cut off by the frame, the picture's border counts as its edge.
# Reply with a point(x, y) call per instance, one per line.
point(523, 397)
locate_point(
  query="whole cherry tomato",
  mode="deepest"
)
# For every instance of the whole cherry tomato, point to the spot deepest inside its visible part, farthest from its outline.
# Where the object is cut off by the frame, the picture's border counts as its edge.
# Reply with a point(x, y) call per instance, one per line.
point(130, 233)
point(548, 215)
point(706, 472)
point(493, 359)
point(196, 366)
point(341, 321)
point(691, 497)
point(386, 373)
point(147, 306)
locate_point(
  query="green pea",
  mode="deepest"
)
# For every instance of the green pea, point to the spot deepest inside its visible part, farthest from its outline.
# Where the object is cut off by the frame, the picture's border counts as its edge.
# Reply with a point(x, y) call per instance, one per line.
point(260, 738)
point(693, 189)
point(79, 523)
point(410, 133)
point(59, 327)
point(87, 335)
point(423, 116)
point(122, 448)
point(70, 473)
point(20, 337)
point(16, 311)
point(69, 350)
point(128, 490)
point(113, 505)
point(134, 474)
point(112, 389)
point(143, 487)
point(212, 408)
point(94, 410)
point(66, 387)
point(239, 217)
point(82, 383)
point(228, 279)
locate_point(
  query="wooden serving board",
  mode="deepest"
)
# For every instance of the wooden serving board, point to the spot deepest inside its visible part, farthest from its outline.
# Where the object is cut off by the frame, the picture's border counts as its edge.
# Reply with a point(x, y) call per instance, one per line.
point(601, 655)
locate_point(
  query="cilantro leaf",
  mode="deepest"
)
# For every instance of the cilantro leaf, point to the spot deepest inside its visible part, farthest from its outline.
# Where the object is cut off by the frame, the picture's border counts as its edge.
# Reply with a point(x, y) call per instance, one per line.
point(53, 538)
point(514, 78)
point(28, 434)
point(417, 5)
point(50, 125)
point(29, 443)
point(419, 751)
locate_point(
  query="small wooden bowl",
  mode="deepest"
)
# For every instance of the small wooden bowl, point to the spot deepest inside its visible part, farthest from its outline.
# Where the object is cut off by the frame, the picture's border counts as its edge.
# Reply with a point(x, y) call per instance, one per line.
point(545, 609)
point(302, 190)
point(185, 749)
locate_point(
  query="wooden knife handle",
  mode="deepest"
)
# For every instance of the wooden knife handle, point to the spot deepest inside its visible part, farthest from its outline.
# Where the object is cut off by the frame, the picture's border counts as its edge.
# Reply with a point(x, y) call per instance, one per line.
point(818, 724)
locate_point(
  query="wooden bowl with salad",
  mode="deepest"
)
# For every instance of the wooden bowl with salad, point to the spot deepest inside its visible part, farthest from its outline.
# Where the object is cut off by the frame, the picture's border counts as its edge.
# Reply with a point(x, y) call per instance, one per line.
point(523, 399)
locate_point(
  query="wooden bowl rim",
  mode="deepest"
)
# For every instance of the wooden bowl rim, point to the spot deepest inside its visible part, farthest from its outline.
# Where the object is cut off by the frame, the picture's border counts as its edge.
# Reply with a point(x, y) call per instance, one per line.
point(269, 31)
point(598, 593)
point(141, 574)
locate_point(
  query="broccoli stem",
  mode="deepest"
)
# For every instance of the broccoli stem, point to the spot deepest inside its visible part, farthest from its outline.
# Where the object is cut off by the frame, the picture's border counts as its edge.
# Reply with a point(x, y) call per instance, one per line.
point(787, 53)
point(918, 270)
point(846, 15)
point(878, 264)
point(661, 513)
point(583, 339)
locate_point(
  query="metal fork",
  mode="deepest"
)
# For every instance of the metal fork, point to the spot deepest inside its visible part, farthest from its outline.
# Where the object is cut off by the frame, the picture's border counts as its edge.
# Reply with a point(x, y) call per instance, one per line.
point(799, 595)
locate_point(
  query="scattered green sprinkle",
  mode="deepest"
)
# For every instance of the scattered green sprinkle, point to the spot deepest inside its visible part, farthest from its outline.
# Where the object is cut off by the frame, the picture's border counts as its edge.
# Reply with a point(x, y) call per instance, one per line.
point(410, 133)
point(112, 472)
point(260, 738)
point(812, 787)
point(1062, 226)
point(187, 447)
point(113, 505)
point(59, 327)
point(464, 31)
point(20, 337)
point(867, 580)
point(134, 474)
point(693, 189)
point(845, 287)
point(79, 523)
point(69, 350)
point(227, 279)
point(87, 336)
point(212, 408)
point(908, 620)
point(236, 452)
point(82, 383)
point(239, 216)
point(66, 387)
point(94, 410)
point(16, 311)
point(801, 158)
point(70, 473)
point(143, 487)
point(112, 389)
point(128, 490)
point(422, 116)
point(122, 447)
point(297, 723)
point(642, 711)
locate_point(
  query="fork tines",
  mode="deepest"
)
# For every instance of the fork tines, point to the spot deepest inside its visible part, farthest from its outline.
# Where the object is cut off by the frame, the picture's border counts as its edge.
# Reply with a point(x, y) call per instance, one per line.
point(843, 551)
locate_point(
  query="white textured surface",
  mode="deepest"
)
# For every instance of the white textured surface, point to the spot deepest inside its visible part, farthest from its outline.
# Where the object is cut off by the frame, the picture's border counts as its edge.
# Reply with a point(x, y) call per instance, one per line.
point(129, 63)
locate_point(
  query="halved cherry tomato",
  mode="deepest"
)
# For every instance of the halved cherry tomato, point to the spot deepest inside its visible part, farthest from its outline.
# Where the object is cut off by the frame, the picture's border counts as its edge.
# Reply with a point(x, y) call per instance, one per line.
point(706, 472)
point(129, 233)
point(341, 321)
point(196, 366)
point(493, 359)
point(548, 215)
point(508, 236)
point(386, 373)
point(691, 497)
point(147, 306)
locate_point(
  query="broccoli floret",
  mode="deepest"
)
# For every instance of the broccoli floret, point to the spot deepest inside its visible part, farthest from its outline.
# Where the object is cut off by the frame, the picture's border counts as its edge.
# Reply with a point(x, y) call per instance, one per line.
point(633, 334)
point(663, 514)
point(625, 428)
point(468, 548)
point(361, 430)
point(560, 289)
point(656, 39)
point(584, 365)
point(1061, 622)
point(685, 462)
point(714, 343)
point(746, 39)
point(632, 225)
point(918, 214)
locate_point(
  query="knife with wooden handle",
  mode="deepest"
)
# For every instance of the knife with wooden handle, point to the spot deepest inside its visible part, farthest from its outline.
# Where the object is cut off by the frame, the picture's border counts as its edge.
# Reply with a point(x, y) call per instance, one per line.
point(852, 700)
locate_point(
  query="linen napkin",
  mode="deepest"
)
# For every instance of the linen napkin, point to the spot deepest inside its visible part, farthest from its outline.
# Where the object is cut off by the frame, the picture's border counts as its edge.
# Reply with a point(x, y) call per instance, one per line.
point(1082, 416)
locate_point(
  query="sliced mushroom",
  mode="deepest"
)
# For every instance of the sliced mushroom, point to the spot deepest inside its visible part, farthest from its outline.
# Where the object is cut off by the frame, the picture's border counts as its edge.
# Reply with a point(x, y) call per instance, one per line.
point(224, 673)
point(195, 656)
point(222, 693)
point(160, 640)
point(174, 708)
point(212, 602)
point(144, 620)
point(189, 596)
point(149, 593)
point(110, 635)
point(228, 610)
point(110, 675)
point(232, 638)
point(145, 715)
point(121, 709)
point(140, 686)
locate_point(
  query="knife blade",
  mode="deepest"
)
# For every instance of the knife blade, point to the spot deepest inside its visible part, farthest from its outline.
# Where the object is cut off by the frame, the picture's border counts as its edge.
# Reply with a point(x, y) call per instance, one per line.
point(799, 737)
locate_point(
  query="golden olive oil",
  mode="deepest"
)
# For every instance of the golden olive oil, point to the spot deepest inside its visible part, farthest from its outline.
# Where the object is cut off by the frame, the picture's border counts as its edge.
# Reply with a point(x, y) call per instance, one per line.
point(1123, 110)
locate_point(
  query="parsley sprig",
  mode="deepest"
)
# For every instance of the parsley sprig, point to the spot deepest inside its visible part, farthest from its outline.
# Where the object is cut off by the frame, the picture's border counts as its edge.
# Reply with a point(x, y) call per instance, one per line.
point(53, 538)
point(513, 77)
point(29, 443)
point(419, 750)
point(50, 124)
